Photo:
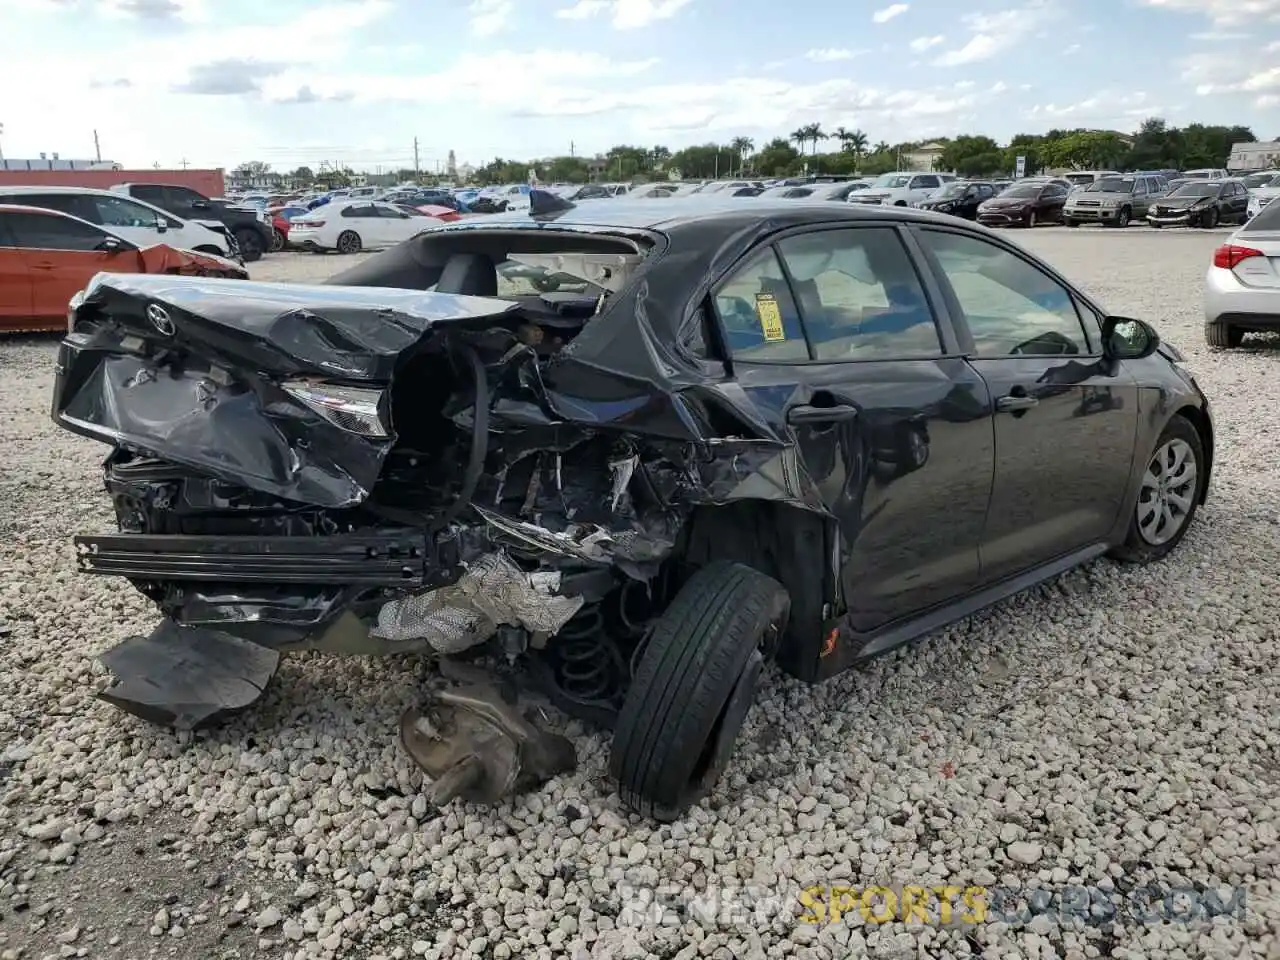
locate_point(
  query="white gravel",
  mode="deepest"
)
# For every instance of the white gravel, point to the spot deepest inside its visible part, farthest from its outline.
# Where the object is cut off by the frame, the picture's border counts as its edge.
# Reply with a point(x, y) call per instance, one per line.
point(1113, 728)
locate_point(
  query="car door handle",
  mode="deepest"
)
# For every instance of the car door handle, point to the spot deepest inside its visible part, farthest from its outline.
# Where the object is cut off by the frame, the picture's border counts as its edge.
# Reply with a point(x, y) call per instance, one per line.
point(44, 266)
point(808, 413)
point(1014, 402)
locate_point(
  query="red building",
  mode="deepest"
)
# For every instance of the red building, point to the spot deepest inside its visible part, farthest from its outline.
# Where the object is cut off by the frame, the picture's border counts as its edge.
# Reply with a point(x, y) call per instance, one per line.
point(209, 182)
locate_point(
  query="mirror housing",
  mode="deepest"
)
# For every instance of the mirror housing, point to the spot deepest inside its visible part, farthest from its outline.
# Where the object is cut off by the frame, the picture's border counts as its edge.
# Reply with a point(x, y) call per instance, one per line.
point(199, 204)
point(1124, 338)
point(162, 225)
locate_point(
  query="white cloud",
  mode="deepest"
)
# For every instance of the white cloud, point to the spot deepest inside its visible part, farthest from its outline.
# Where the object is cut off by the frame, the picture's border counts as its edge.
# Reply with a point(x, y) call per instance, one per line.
point(889, 12)
point(583, 10)
point(1225, 13)
point(1219, 36)
point(921, 44)
point(993, 33)
point(1074, 48)
point(489, 17)
point(626, 14)
point(829, 55)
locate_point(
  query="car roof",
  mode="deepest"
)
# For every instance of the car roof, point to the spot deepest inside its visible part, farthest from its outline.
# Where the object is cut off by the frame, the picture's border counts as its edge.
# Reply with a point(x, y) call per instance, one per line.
point(671, 215)
point(28, 188)
point(48, 211)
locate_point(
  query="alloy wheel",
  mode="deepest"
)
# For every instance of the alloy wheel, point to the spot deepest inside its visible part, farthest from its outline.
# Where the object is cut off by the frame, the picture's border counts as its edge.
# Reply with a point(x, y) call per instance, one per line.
point(1168, 491)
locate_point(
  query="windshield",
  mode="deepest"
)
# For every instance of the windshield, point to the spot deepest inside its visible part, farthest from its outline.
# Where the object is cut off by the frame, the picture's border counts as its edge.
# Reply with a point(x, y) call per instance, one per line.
point(1080, 179)
point(1199, 174)
point(891, 181)
point(951, 190)
point(1024, 191)
point(1112, 185)
point(1196, 190)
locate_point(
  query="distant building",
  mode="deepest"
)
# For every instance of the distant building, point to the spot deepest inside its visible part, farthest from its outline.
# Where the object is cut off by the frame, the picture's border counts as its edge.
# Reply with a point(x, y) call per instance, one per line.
point(1247, 157)
point(55, 163)
point(923, 158)
point(451, 168)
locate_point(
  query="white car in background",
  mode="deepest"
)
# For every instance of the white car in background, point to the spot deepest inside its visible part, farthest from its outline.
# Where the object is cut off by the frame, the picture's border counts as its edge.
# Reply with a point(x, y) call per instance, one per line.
point(901, 189)
point(1242, 287)
point(1263, 194)
point(350, 226)
point(138, 222)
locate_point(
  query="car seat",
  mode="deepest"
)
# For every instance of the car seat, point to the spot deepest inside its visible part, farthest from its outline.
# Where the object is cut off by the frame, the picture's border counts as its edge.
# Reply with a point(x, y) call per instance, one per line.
point(470, 275)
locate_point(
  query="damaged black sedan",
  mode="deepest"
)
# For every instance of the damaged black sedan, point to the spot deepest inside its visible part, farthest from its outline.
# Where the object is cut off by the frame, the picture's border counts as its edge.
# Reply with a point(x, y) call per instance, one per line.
point(736, 433)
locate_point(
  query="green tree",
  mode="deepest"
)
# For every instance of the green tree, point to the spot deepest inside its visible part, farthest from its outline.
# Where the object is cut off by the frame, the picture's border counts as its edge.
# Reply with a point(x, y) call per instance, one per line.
point(705, 161)
point(777, 158)
point(742, 146)
point(303, 174)
point(857, 144)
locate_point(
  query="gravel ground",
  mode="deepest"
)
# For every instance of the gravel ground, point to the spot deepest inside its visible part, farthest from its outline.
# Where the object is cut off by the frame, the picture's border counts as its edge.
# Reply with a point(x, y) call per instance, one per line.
point(1114, 728)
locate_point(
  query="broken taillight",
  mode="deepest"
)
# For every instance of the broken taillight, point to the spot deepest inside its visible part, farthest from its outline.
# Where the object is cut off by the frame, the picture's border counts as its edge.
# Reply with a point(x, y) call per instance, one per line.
point(1230, 254)
point(355, 409)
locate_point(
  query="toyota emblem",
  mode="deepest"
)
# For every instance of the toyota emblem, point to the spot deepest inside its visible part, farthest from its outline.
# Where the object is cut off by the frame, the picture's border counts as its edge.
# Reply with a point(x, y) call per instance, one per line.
point(159, 318)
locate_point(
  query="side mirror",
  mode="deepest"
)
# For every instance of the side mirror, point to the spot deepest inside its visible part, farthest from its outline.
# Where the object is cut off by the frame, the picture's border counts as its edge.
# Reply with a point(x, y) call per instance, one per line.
point(162, 225)
point(199, 204)
point(1127, 339)
point(111, 245)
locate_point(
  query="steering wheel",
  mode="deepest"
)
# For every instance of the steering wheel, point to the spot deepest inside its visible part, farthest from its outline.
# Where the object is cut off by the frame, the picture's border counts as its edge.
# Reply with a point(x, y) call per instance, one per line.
point(1050, 343)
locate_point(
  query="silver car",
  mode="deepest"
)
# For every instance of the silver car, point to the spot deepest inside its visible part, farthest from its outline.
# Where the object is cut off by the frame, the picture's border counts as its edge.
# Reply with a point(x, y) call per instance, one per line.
point(1242, 287)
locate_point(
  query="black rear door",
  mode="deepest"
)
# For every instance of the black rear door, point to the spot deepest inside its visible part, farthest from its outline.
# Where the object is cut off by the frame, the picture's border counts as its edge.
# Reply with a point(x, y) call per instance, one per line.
point(1066, 419)
point(833, 335)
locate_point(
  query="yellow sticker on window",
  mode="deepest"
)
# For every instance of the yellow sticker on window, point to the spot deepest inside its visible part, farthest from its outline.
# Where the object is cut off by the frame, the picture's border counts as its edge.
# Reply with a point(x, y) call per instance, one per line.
point(770, 317)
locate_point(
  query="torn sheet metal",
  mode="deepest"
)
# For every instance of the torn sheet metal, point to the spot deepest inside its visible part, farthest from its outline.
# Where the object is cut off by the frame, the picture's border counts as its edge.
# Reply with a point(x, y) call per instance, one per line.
point(492, 592)
point(187, 677)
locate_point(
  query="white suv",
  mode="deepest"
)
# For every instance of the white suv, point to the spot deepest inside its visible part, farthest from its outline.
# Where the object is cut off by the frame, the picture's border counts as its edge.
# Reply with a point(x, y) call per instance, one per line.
point(901, 189)
point(136, 221)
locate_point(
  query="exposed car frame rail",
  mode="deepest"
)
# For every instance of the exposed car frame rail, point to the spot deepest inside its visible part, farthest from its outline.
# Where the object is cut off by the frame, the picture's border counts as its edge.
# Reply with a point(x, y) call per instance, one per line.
point(393, 559)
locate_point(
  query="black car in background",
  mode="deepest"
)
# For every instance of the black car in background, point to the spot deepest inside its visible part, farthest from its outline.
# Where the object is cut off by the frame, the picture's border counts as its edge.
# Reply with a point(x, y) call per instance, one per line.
point(810, 432)
point(251, 228)
point(1025, 203)
point(961, 198)
point(1201, 203)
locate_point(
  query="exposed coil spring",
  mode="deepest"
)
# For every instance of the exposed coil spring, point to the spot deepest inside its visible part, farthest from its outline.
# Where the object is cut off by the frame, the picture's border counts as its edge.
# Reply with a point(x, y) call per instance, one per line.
point(584, 655)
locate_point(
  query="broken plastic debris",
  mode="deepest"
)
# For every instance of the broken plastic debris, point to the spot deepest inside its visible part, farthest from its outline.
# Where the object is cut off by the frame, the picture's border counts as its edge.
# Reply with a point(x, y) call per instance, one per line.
point(493, 591)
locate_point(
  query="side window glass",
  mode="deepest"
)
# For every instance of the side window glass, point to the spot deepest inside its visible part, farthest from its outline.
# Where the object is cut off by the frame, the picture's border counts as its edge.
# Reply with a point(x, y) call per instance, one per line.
point(758, 314)
point(66, 202)
point(51, 232)
point(1012, 308)
point(118, 212)
point(859, 295)
point(149, 194)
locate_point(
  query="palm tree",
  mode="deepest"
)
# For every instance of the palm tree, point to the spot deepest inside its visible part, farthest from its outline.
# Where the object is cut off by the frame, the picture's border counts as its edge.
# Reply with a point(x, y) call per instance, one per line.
point(857, 143)
point(814, 133)
point(881, 147)
point(843, 136)
point(801, 136)
point(742, 146)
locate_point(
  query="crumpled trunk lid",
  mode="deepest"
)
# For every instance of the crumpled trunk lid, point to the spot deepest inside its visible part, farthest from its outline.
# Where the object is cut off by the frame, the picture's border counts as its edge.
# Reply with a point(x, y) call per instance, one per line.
point(192, 371)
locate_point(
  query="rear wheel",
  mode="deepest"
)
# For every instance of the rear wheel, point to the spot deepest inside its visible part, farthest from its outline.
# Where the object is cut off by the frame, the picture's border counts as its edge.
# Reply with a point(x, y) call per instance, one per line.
point(349, 242)
point(1223, 335)
point(1169, 495)
point(692, 688)
point(277, 241)
point(251, 245)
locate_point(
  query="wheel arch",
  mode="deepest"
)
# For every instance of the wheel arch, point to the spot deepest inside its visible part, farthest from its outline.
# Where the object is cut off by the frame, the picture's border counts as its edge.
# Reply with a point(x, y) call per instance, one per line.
point(1199, 418)
point(782, 541)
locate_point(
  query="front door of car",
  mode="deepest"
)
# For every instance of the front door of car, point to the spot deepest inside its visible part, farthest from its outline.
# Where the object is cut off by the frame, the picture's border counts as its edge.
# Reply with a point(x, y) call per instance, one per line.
point(1066, 419)
point(16, 298)
point(1237, 201)
point(62, 255)
point(1053, 199)
point(396, 225)
point(833, 336)
point(133, 221)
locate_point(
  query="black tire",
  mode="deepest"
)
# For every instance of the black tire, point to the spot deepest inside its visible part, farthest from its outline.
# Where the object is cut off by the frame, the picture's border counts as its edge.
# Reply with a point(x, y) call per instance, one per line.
point(1070, 223)
point(901, 203)
point(1123, 217)
point(1154, 225)
point(277, 241)
point(1031, 219)
point(1209, 219)
point(1223, 335)
point(349, 242)
point(546, 284)
point(692, 688)
point(213, 251)
point(1136, 547)
point(251, 245)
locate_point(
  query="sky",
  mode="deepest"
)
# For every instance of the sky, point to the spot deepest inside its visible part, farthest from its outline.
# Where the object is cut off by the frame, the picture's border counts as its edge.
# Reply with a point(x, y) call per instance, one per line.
point(213, 83)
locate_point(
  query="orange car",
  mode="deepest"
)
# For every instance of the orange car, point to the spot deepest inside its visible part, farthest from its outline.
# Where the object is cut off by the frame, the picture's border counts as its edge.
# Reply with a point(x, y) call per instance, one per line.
point(46, 257)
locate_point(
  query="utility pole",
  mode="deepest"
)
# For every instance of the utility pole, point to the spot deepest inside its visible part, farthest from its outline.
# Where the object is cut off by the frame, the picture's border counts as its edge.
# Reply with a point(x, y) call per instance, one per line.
point(184, 162)
point(571, 146)
point(417, 173)
point(1, 151)
point(97, 148)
